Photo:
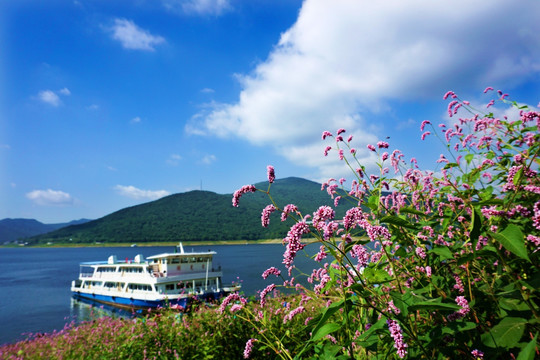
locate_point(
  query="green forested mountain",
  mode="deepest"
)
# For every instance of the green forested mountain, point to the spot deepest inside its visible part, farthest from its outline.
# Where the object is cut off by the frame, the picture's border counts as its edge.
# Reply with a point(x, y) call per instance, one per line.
point(198, 215)
point(14, 229)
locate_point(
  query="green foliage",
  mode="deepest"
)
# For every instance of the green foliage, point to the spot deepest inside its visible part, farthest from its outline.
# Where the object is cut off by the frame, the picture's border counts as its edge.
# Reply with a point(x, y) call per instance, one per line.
point(451, 270)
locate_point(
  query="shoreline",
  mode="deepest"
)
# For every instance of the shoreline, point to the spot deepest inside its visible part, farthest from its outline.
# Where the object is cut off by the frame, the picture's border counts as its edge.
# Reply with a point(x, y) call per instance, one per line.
point(158, 243)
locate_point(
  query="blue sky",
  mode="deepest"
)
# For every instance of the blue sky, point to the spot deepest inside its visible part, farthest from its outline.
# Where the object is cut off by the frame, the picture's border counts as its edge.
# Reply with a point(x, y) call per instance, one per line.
point(109, 104)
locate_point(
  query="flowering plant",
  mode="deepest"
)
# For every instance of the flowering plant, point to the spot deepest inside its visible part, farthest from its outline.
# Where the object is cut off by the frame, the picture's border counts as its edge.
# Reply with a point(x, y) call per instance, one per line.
point(424, 264)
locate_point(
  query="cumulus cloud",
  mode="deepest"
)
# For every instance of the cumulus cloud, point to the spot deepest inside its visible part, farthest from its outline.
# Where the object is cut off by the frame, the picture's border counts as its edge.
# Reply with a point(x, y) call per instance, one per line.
point(139, 194)
point(133, 37)
point(198, 7)
point(208, 159)
point(50, 197)
point(338, 63)
point(51, 97)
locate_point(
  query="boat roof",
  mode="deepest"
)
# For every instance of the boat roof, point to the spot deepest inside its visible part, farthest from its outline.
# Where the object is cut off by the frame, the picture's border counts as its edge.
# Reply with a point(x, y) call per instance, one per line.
point(182, 254)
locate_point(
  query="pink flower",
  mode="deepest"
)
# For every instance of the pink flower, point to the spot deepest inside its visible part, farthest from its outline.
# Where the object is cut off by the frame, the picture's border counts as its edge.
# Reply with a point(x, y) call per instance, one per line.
point(323, 214)
point(249, 348)
point(265, 217)
point(321, 254)
point(382, 144)
point(228, 299)
point(325, 134)
point(424, 123)
point(477, 353)
point(395, 332)
point(328, 148)
point(238, 193)
point(340, 131)
point(371, 147)
point(271, 173)
point(266, 290)
point(293, 312)
point(425, 134)
point(271, 271)
point(449, 93)
point(287, 210)
point(489, 88)
point(442, 159)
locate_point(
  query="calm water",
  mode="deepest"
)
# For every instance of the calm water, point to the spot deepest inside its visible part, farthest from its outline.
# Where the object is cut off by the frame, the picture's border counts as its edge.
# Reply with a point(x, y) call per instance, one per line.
point(35, 284)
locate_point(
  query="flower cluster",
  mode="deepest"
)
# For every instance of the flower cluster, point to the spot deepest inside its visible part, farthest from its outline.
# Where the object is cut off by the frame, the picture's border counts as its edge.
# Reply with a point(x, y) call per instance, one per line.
point(397, 335)
point(238, 193)
point(467, 229)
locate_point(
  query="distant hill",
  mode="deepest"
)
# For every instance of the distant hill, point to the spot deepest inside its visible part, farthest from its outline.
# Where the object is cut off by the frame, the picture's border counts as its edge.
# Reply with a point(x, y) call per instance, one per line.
point(198, 215)
point(14, 229)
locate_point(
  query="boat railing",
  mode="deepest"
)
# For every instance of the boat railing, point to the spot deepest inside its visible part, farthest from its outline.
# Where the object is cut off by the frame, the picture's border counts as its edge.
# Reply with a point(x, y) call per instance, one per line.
point(86, 274)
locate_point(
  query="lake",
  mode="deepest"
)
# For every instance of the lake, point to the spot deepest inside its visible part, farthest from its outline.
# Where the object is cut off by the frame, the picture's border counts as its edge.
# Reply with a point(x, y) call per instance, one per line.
point(35, 282)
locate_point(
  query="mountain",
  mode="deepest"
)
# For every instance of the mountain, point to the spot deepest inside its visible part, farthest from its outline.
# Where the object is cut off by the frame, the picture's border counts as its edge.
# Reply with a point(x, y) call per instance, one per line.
point(198, 215)
point(14, 229)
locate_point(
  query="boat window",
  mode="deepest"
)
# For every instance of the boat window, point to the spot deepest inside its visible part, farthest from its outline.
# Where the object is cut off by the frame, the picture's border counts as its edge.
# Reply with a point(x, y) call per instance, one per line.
point(140, 287)
point(169, 287)
point(185, 260)
point(175, 261)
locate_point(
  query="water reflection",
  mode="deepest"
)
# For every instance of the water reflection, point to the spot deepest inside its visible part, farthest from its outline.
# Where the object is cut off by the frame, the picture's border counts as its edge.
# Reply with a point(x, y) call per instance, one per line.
point(87, 310)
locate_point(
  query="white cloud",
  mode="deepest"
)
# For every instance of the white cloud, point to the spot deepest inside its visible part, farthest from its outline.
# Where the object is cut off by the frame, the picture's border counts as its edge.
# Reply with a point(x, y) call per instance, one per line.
point(208, 159)
point(139, 194)
point(136, 120)
point(49, 97)
point(198, 7)
point(133, 37)
point(207, 91)
point(65, 91)
point(50, 197)
point(174, 159)
point(338, 63)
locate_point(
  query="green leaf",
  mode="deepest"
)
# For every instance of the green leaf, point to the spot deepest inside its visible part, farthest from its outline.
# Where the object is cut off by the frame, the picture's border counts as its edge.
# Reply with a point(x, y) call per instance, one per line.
point(527, 353)
point(366, 334)
point(411, 210)
point(433, 304)
point(513, 240)
point(329, 311)
point(443, 252)
point(505, 334)
point(518, 176)
point(397, 221)
point(469, 158)
point(325, 330)
point(376, 275)
point(513, 304)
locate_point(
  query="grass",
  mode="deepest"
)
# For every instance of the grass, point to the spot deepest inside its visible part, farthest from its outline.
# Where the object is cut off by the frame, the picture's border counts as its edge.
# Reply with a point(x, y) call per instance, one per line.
point(203, 333)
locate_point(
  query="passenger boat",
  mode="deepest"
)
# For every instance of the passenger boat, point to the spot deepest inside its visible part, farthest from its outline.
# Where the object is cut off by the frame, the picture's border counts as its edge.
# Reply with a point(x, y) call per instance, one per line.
point(169, 279)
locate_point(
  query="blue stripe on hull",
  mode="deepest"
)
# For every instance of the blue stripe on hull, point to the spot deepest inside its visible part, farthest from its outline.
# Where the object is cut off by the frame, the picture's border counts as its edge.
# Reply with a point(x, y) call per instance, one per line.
point(129, 302)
